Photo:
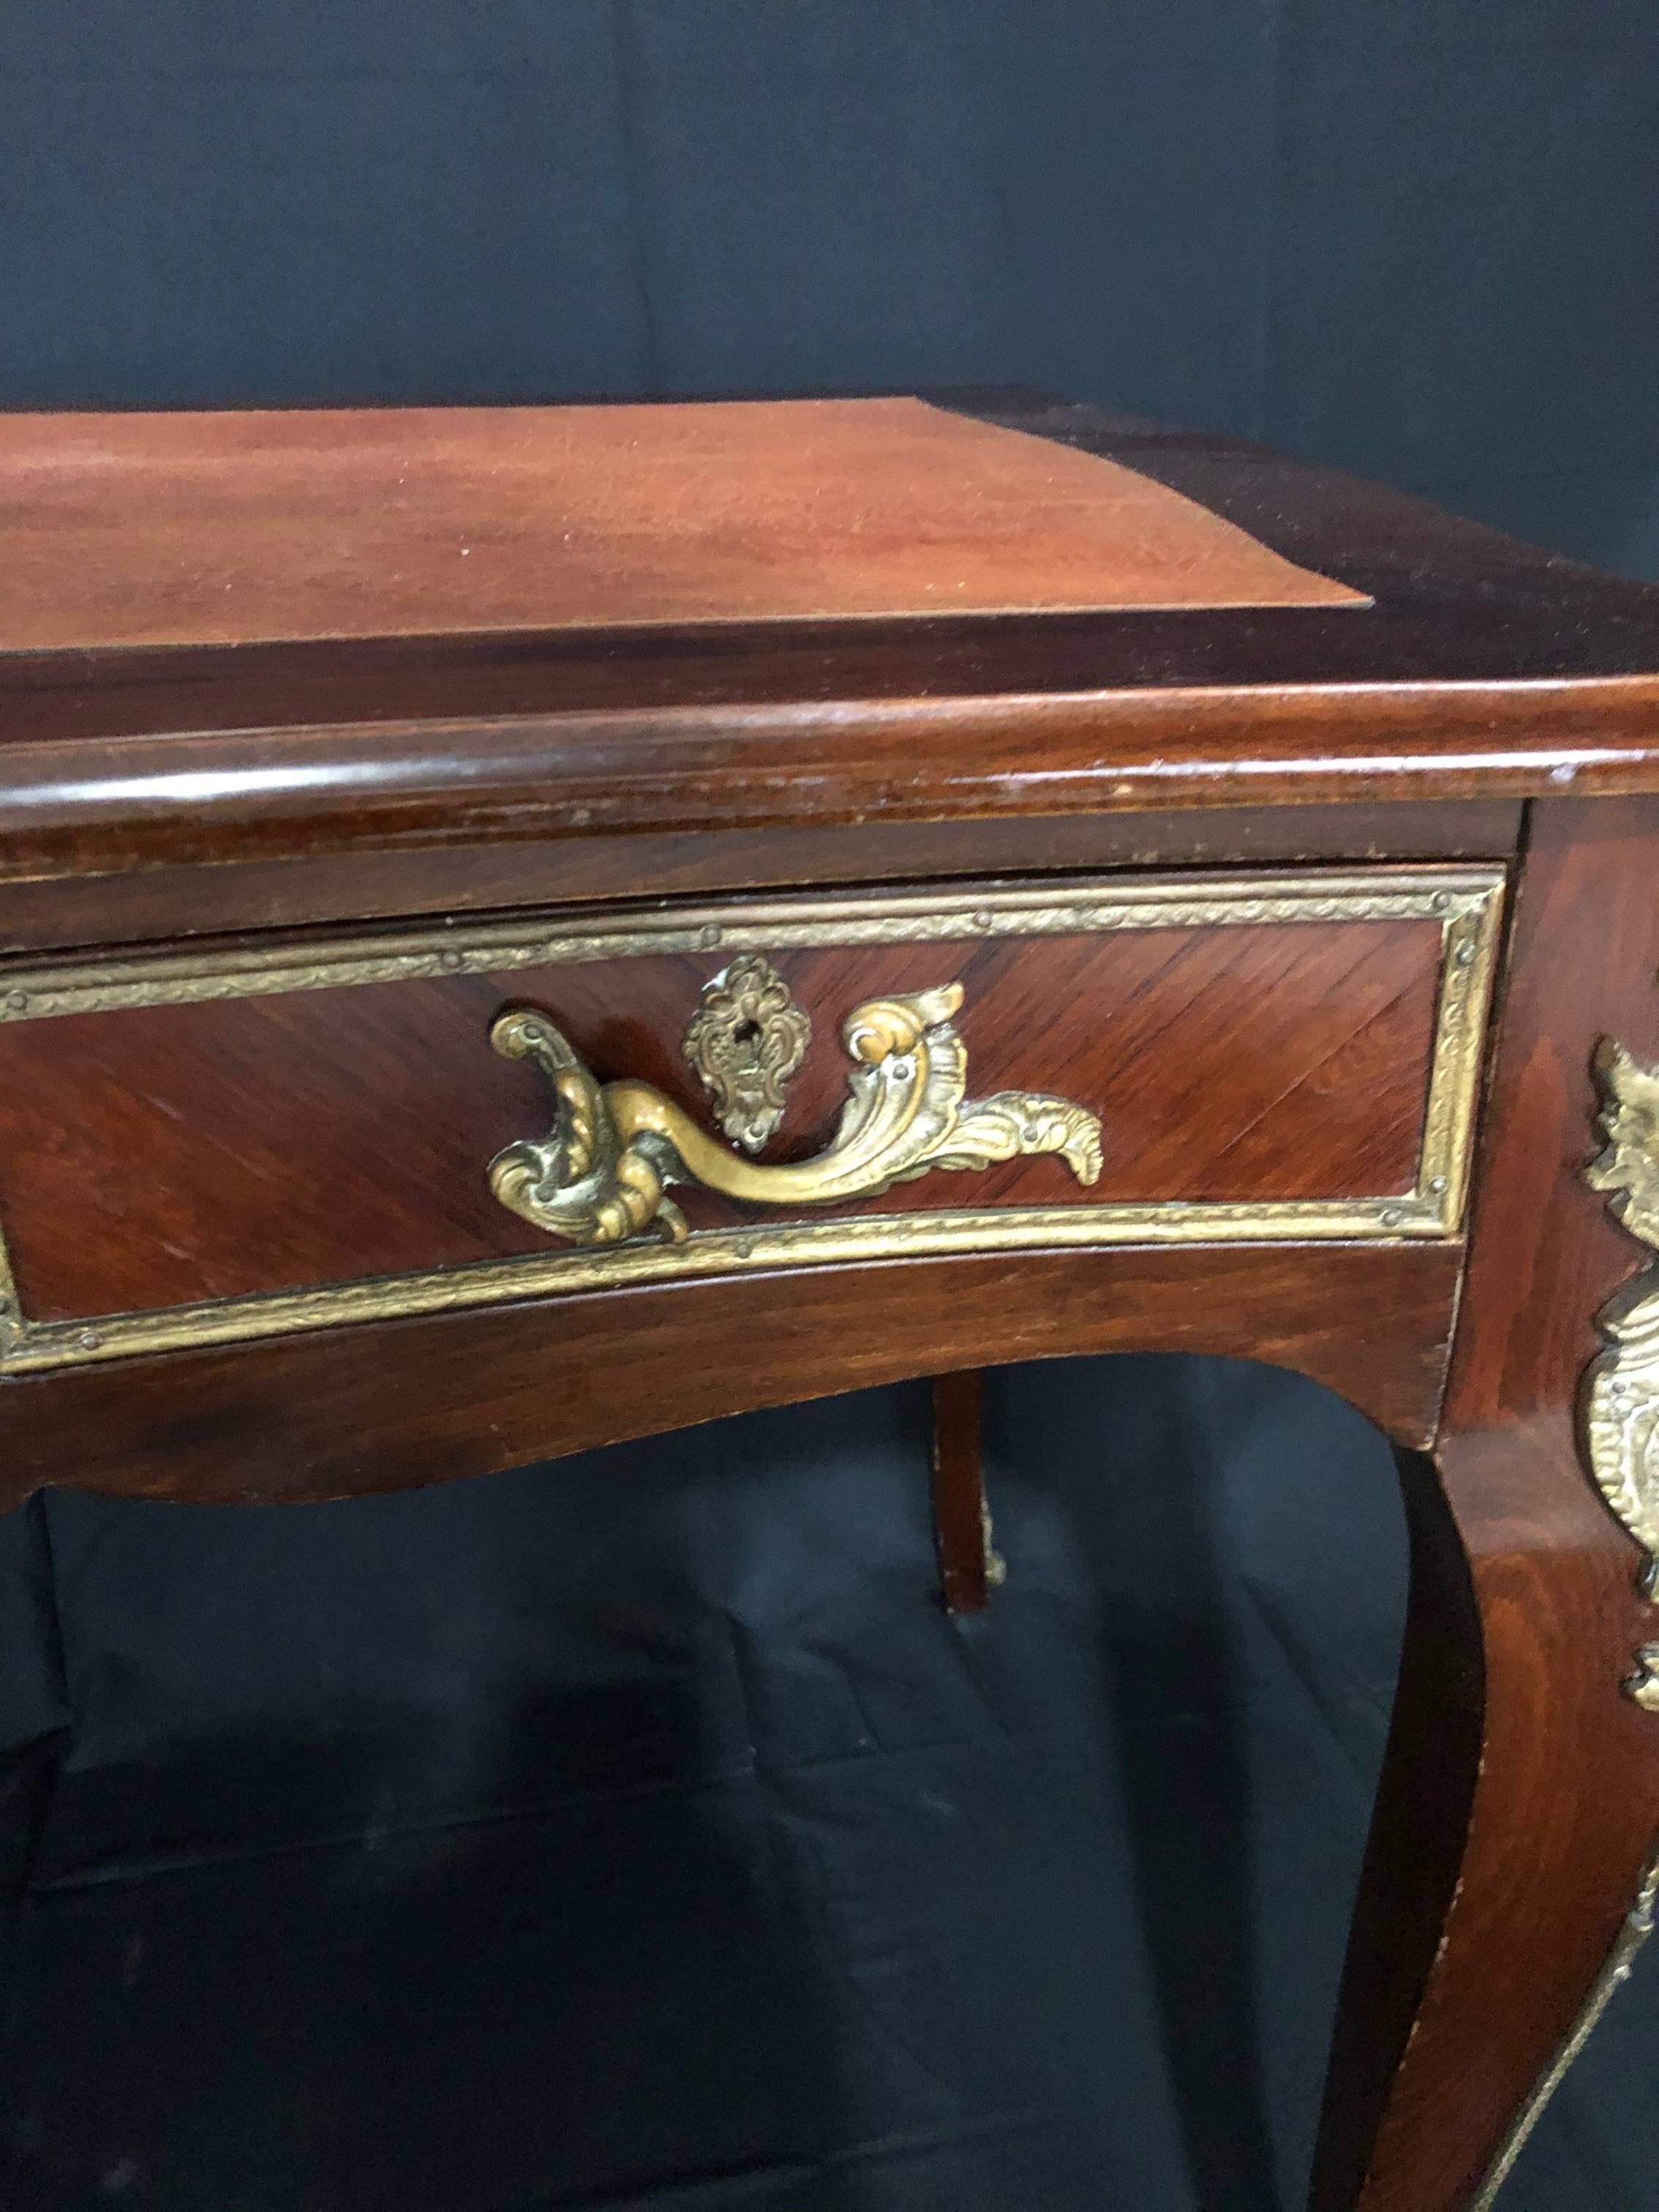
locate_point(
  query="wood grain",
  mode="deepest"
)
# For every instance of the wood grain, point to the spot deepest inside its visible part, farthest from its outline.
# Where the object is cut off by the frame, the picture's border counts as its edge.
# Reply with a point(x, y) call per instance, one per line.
point(1482, 1977)
point(404, 1403)
point(71, 808)
point(172, 901)
point(163, 1155)
point(961, 1520)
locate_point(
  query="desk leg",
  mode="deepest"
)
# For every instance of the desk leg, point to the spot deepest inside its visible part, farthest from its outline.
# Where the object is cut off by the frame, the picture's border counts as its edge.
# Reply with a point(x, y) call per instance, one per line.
point(1518, 1807)
point(968, 1566)
point(1519, 1804)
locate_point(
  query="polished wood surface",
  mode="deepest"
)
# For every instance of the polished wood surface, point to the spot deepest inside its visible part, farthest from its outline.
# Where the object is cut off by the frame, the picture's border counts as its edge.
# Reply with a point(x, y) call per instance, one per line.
point(341, 1412)
point(71, 807)
point(1468, 1992)
point(257, 1144)
point(962, 1524)
point(1489, 702)
point(1419, 1823)
point(182, 901)
point(1484, 670)
point(212, 529)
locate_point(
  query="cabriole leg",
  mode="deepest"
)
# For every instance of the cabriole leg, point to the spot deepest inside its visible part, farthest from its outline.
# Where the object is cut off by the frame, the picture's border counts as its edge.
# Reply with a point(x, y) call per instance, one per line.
point(1507, 1877)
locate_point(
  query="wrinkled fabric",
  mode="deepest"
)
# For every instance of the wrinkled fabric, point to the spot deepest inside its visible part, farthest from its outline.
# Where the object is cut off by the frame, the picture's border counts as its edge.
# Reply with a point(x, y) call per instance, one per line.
point(636, 1830)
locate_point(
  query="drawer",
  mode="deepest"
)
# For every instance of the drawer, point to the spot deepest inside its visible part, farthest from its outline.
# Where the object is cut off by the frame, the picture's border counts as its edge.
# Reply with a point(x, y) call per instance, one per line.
point(232, 1141)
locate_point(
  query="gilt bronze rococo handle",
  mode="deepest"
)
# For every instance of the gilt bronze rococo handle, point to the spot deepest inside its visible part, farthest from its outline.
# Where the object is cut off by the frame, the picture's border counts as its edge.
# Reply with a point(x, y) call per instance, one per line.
point(601, 1175)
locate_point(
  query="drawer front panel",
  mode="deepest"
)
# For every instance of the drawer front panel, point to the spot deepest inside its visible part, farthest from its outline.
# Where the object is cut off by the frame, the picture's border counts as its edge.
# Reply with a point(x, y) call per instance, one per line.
point(218, 1143)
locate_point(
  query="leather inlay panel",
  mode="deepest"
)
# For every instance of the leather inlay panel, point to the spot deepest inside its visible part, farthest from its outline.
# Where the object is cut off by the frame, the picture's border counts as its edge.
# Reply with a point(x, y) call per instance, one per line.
point(205, 529)
point(259, 1144)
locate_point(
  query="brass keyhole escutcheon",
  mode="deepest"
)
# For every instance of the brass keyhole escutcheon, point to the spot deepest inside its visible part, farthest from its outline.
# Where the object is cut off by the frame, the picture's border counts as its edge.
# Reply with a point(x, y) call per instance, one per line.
point(747, 1041)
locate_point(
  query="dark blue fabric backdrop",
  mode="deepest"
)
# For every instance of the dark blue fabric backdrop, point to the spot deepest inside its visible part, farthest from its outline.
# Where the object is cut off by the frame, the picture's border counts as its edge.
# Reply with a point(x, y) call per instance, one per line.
point(1417, 237)
point(636, 1831)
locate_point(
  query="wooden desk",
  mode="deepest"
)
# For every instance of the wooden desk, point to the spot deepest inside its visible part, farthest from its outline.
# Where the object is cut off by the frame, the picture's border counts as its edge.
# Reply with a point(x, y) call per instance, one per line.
point(944, 884)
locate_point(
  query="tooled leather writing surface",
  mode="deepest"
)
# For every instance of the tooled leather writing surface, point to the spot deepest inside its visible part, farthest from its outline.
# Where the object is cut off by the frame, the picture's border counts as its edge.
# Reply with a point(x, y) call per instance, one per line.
point(214, 529)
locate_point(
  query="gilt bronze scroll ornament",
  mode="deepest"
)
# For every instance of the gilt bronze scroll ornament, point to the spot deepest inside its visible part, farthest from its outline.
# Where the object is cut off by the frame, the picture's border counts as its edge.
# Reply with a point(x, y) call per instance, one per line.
point(1621, 1389)
point(602, 1176)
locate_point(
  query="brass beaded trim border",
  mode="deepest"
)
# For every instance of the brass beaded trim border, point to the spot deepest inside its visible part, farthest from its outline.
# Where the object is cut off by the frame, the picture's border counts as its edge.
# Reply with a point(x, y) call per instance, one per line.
point(185, 975)
point(1466, 904)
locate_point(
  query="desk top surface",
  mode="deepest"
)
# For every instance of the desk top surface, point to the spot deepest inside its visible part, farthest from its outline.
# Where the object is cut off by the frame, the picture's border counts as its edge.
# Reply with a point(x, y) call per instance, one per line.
point(223, 528)
point(991, 601)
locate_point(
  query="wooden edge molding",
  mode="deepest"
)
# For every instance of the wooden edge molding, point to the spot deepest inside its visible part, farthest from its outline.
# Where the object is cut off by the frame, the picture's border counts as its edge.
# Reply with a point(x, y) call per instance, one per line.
point(75, 805)
point(1466, 903)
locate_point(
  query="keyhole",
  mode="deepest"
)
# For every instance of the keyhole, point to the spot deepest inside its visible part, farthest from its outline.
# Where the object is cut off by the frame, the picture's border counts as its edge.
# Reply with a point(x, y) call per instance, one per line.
point(747, 1034)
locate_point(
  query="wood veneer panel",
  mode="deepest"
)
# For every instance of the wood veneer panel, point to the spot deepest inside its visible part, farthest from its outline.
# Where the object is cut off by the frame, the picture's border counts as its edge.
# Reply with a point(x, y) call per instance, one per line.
point(350, 1411)
point(159, 1155)
point(214, 529)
